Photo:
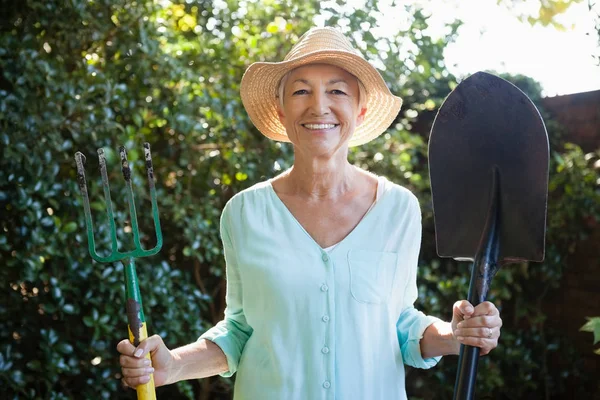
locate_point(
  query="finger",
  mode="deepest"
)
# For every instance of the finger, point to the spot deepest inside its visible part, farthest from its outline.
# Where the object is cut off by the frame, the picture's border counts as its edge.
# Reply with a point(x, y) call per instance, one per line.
point(484, 333)
point(486, 308)
point(133, 362)
point(125, 347)
point(150, 345)
point(485, 345)
point(481, 321)
point(463, 309)
point(137, 372)
point(135, 382)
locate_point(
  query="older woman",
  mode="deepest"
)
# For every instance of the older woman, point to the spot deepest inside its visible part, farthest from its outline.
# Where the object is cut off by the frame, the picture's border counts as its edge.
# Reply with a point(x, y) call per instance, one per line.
point(322, 259)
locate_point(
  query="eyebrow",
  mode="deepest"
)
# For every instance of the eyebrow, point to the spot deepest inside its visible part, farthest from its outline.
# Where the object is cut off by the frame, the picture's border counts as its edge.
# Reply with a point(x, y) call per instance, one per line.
point(331, 82)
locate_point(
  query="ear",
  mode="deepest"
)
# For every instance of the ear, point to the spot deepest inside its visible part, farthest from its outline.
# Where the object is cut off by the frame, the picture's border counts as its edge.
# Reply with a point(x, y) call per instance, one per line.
point(281, 115)
point(361, 116)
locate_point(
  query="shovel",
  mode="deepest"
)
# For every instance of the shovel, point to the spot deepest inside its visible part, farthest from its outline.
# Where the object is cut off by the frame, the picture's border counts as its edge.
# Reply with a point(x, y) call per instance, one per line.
point(488, 164)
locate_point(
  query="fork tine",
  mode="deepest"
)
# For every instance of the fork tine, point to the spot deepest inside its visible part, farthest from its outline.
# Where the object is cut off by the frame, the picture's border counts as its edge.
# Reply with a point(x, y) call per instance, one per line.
point(109, 209)
point(149, 167)
point(150, 171)
point(80, 160)
point(130, 199)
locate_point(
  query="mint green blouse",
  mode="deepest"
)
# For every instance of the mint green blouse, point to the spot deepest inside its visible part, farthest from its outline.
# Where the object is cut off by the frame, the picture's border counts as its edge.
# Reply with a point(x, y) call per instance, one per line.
point(303, 323)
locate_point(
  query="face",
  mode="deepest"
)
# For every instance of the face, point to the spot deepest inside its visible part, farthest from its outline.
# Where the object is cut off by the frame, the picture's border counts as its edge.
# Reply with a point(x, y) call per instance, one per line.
point(320, 108)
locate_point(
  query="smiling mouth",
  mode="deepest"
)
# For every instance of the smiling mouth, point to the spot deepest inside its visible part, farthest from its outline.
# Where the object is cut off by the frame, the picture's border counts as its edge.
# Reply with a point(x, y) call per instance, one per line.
point(316, 127)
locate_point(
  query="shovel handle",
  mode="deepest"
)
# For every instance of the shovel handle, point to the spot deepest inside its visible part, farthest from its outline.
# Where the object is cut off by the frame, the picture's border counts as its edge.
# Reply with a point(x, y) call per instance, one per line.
point(136, 323)
point(483, 270)
point(467, 373)
point(464, 388)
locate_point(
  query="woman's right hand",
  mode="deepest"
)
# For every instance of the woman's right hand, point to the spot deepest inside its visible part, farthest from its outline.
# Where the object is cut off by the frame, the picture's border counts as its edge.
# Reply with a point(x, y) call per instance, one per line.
point(136, 368)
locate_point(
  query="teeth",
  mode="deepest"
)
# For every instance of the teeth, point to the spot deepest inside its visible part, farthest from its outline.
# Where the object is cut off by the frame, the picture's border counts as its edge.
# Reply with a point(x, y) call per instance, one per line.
point(319, 126)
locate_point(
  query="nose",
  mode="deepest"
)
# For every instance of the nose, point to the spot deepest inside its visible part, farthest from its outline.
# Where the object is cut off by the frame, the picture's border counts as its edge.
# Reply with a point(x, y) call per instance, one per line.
point(320, 103)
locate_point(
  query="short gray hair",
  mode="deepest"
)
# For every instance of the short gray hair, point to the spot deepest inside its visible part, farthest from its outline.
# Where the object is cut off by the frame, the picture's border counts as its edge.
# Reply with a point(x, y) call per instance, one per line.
point(362, 91)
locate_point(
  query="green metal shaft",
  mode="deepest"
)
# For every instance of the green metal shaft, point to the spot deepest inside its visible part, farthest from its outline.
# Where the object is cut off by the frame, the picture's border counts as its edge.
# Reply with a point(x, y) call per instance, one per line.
point(135, 313)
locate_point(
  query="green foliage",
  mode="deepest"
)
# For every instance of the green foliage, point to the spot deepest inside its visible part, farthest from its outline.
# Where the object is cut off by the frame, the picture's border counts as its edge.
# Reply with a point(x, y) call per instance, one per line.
point(547, 11)
point(593, 325)
point(79, 75)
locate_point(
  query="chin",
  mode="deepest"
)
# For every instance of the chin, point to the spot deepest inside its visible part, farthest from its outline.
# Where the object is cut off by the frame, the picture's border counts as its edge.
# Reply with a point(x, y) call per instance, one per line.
point(321, 148)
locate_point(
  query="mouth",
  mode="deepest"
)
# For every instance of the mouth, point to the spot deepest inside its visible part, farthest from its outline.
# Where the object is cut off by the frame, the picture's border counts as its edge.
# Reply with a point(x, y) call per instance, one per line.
point(320, 127)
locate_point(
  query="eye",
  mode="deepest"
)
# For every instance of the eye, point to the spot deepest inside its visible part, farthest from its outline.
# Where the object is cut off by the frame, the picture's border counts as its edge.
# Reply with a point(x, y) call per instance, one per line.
point(299, 92)
point(338, 92)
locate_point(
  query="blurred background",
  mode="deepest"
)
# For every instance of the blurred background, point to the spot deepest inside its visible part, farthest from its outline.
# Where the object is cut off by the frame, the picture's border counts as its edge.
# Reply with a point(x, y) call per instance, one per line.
point(78, 75)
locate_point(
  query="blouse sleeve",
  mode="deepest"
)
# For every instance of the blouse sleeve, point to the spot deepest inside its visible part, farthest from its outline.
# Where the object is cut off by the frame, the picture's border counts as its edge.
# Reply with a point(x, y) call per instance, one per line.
point(412, 323)
point(232, 333)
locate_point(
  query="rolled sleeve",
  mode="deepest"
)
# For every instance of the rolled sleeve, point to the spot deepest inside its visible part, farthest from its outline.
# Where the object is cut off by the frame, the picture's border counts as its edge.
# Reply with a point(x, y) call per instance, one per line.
point(232, 333)
point(412, 323)
point(231, 337)
point(410, 328)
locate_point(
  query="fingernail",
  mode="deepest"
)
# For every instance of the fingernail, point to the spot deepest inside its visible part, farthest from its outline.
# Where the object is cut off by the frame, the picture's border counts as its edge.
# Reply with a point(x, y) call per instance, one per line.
point(149, 370)
point(146, 362)
point(460, 338)
point(138, 352)
point(459, 325)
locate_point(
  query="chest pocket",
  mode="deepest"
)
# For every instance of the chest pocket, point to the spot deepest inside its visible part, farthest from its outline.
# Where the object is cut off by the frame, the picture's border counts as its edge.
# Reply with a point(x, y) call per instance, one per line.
point(371, 275)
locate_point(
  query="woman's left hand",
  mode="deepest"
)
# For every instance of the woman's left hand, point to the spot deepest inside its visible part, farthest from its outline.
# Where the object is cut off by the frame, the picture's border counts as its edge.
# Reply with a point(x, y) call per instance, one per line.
point(476, 326)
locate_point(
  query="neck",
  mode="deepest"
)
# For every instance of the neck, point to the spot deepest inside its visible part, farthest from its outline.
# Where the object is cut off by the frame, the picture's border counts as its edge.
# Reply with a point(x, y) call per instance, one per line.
point(320, 178)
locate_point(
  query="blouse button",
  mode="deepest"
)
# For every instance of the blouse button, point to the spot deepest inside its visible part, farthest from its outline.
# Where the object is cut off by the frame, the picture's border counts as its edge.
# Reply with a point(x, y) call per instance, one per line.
point(324, 288)
point(325, 257)
point(326, 384)
point(325, 350)
point(325, 318)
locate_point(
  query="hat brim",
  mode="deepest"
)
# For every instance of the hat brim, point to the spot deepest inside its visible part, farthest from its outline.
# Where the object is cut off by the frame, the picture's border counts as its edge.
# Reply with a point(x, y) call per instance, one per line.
point(260, 83)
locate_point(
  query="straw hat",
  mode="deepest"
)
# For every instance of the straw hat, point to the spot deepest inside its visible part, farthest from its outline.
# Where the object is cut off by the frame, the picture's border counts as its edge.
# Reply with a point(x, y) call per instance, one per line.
point(319, 45)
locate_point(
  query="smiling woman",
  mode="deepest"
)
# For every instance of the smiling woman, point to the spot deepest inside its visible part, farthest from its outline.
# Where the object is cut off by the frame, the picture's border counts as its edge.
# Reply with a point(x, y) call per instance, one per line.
point(322, 259)
point(317, 46)
point(321, 106)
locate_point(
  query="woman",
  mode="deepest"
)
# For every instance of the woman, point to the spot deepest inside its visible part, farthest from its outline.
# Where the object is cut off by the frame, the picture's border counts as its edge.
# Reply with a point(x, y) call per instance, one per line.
point(322, 259)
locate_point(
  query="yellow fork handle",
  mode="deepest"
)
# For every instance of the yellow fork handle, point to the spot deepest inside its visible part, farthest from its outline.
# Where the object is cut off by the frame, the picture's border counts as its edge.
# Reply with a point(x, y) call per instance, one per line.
point(145, 391)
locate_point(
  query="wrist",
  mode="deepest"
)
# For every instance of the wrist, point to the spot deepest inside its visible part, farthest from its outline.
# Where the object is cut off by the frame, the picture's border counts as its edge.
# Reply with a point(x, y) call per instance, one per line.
point(438, 340)
point(446, 333)
point(172, 367)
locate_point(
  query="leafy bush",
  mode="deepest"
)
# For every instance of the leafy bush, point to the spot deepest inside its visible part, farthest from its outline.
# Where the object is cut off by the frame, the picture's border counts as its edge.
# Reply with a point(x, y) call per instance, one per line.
point(80, 75)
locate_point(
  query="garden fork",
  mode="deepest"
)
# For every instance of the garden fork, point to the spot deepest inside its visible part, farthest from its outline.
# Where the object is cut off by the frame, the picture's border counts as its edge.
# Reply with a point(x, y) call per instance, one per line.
point(135, 315)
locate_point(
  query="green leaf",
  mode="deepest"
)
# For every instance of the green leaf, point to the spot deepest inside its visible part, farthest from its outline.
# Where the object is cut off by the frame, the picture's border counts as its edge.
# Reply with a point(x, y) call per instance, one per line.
point(65, 348)
point(34, 365)
point(593, 325)
point(88, 321)
point(68, 308)
point(137, 118)
point(70, 227)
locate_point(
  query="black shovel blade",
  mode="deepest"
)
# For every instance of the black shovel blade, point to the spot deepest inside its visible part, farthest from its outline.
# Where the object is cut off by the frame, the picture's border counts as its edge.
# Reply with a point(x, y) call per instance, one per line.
point(487, 122)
